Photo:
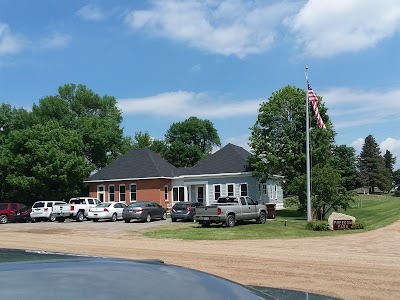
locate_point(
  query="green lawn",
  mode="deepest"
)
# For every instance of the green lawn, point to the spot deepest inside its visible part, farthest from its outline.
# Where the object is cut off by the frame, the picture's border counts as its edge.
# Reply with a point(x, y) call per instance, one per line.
point(374, 211)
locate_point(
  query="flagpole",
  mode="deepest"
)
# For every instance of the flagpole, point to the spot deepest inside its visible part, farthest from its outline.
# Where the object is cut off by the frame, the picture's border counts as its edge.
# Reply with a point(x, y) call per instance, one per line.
point(308, 151)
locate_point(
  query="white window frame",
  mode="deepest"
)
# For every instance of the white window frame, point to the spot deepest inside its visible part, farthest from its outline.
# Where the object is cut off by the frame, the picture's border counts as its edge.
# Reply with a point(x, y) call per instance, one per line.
point(109, 193)
point(247, 189)
point(166, 193)
point(220, 191)
point(103, 192)
point(276, 192)
point(119, 193)
point(178, 187)
point(264, 189)
point(227, 189)
point(130, 192)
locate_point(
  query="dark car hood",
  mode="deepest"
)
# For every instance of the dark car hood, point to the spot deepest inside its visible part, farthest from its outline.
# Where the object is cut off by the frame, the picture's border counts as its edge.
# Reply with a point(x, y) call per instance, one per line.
point(40, 275)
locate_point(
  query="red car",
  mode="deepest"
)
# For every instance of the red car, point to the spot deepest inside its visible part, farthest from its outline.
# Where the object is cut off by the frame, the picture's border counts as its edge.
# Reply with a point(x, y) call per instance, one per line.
point(8, 211)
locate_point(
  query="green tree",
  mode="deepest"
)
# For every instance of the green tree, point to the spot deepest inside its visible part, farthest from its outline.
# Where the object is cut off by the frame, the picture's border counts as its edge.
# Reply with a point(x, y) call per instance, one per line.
point(44, 161)
point(371, 167)
point(144, 140)
point(396, 177)
point(278, 138)
point(345, 161)
point(190, 141)
point(96, 119)
point(390, 161)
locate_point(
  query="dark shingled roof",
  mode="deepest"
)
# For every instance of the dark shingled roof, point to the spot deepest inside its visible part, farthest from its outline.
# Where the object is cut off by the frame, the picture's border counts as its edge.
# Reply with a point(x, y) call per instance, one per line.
point(138, 163)
point(144, 163)
point(229, 159)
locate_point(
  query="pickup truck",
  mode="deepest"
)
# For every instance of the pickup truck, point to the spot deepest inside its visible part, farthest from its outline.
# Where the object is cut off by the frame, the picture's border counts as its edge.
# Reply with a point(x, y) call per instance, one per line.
point(76, 208)
point(230, 209)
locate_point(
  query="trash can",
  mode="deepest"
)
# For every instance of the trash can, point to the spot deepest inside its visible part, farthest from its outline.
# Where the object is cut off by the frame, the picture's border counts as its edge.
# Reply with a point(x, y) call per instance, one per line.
point(271, 210)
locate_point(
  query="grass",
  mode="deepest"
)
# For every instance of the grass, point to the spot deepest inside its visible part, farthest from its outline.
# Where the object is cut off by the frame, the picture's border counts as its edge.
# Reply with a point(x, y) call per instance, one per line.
point(374, 211)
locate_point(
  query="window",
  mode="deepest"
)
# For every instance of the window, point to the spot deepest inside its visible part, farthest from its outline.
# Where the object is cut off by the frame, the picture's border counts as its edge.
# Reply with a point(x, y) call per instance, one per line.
point(251, 201)
point(14, 206)
point(100, 192)
point(217, 191)
point(90, 201)
point(230, 189)
point(122, 192)
point(243, 200)
point(132, 188)
point(264, 188)
point(166, 193)
point(111, 193)
point(276, 191)
point(178, 193)
point(243, 189)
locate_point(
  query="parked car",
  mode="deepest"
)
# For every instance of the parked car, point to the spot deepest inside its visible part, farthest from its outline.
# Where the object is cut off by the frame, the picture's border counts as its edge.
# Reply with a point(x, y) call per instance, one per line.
point(23, 215)
point(184, 211)
point(107, 210)
point(228, 210)
point(43, 210)
point(8, 211)
point(77, 209)
point(144, 211)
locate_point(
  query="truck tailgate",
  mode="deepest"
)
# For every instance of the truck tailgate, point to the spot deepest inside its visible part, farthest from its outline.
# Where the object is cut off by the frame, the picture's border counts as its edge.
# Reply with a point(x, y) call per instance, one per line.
point(207, 211)
point(61, 209)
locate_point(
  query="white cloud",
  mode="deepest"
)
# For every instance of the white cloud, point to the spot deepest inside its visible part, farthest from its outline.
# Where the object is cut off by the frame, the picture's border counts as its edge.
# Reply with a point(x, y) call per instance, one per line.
point(352, 107)
point(228, 27)
point(326, 27)
point(240, 140)
point(184, 104)
point(91, 12)
point(9, 43)
point(55, 41)
point(358, 144)
point(393, 146)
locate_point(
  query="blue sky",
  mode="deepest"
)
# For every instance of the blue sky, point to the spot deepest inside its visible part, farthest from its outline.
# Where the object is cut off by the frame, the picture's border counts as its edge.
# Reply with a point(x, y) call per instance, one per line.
point(168, 60)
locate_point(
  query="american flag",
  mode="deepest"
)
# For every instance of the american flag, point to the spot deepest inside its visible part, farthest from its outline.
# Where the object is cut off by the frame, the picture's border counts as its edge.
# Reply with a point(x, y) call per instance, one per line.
point(312, 97)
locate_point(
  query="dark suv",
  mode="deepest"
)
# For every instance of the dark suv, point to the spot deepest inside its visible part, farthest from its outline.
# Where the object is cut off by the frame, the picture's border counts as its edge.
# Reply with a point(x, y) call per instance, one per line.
point(184, 211)
point(8, 211)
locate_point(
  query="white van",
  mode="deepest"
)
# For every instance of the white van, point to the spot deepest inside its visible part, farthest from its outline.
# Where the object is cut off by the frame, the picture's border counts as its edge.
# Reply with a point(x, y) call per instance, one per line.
point(42, 210)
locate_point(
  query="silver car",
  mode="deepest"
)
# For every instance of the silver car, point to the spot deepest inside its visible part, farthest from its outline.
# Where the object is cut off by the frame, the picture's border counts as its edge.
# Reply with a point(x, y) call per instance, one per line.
point(144, 211)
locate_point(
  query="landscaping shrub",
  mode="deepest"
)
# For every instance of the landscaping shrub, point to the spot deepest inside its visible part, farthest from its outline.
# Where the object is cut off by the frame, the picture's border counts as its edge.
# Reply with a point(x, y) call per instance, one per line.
point(318, 226)
point(358, 225)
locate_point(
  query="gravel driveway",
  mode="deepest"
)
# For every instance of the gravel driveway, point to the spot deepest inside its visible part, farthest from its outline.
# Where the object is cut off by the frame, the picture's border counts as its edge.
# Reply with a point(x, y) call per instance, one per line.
point(352, 266)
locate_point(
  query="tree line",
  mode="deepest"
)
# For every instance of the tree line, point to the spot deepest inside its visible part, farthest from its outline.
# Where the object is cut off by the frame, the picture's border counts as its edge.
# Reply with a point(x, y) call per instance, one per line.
point(47, 152)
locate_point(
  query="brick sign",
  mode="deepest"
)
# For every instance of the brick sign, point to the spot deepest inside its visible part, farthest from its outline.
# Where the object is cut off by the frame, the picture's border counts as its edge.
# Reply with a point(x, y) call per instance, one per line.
point(342, 224)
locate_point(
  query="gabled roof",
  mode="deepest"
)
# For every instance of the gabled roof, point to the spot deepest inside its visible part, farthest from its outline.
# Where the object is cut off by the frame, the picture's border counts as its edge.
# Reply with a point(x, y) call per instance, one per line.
point(138, 163)
point(229, 159)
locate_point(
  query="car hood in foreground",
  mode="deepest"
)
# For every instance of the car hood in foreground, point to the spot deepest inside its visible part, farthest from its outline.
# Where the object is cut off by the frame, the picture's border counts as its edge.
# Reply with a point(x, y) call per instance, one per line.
point(44, 275)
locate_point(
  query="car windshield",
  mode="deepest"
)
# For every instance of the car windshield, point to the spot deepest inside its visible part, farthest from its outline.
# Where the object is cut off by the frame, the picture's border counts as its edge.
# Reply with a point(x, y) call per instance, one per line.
point(180, 206)
point(38, 204)
point(137, 204)
point(104, 204)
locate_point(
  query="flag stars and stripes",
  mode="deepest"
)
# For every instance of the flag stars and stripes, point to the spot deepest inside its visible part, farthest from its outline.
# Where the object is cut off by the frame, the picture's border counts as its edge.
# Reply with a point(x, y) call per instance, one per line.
point(312, 97)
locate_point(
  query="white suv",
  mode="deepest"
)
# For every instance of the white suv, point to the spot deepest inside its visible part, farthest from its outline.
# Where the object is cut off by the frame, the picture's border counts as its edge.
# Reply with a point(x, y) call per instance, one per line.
point(42, 210)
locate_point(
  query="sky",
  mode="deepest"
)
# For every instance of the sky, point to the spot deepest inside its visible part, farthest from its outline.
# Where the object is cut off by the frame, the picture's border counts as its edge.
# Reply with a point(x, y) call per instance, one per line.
point(167, 60)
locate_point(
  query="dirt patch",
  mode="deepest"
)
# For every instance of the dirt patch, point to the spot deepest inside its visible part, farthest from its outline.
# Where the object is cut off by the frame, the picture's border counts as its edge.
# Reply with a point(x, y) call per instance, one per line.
point(356, 266)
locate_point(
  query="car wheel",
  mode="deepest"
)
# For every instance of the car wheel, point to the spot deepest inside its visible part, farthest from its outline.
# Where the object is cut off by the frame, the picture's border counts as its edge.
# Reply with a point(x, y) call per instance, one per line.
point(230, 221)
point(95, 220)
point(164, 216)
point(205, 224)
point(127, 220)
point(148, 218)
point(262, 218)
point(61, 220)
point(173, 219)
point(113, 218)
point(3, 219)
point(52, 218)
point(79, 216)
point(33, 220)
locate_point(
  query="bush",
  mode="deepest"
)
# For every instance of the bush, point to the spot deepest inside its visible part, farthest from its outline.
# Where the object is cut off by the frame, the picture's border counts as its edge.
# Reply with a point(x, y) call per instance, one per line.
point(318, 226)
point(358, 225)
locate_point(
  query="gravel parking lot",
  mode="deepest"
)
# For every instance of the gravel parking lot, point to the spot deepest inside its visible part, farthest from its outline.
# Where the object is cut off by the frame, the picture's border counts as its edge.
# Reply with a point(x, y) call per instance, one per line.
point(353, 266)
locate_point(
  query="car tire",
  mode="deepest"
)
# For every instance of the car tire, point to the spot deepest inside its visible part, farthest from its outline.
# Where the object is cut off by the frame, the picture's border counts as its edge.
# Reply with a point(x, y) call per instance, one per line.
point(52, 218)
point(164, 216)
point(79, 216)
point(148, 218)
point(3, 219)
point(205, 224)
point(127, 220)
point(173, 219)
point(33, 220)
point(95, 220)
point(60, 220)
point(230, 221)
point(113, 217)
point(262, 218)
